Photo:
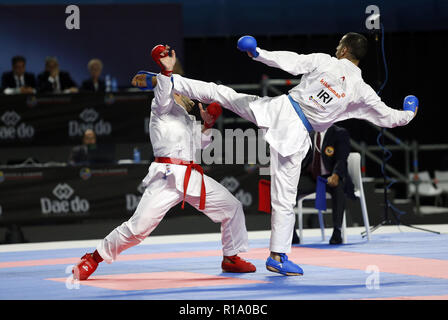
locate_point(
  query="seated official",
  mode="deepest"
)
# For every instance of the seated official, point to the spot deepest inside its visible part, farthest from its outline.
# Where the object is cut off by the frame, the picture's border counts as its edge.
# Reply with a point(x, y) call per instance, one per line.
point(329, 160)
point(18, 81)
point(90, 153)
point(52, 80)
point(80, 154)
point(94, 83)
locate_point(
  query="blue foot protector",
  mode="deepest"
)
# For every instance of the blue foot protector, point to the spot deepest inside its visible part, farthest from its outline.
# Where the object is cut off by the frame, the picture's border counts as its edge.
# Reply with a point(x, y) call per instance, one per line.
point(285, 267)
point(149, 76)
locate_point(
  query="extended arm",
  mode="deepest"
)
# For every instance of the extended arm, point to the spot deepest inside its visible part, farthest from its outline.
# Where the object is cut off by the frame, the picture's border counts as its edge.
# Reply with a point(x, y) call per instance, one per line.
point(288, 61)
point(372, 109)
point(163, 95)
point(291, 62)
point(160, 83)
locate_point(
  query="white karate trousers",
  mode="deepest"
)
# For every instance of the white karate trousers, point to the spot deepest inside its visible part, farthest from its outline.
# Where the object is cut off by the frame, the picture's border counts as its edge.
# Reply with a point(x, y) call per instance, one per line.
point(161, 195)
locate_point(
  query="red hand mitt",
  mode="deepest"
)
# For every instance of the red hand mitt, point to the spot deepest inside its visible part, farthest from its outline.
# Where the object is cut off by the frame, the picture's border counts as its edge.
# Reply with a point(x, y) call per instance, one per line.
point(215, 110)
point(158, 52)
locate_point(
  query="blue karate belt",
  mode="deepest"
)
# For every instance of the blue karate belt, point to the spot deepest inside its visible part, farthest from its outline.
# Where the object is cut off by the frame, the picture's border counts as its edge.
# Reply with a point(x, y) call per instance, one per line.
point(321, 190)
point(301, 115)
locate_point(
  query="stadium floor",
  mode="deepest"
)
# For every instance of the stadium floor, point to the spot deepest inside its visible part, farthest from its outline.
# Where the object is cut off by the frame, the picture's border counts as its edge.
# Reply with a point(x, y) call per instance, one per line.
point(398, 263)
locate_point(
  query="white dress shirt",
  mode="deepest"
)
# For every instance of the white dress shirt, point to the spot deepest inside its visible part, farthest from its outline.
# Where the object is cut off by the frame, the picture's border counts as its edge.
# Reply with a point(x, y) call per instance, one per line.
point(20, 81)
point(55, 82)
point(324, 171)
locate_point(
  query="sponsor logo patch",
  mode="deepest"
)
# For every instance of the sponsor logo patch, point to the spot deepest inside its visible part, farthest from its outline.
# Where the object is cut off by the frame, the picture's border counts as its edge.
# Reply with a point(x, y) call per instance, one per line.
point(329, 151)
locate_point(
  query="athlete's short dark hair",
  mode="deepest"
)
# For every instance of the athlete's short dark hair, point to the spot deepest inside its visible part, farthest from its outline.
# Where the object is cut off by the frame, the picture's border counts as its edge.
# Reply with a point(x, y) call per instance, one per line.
point(356, 44)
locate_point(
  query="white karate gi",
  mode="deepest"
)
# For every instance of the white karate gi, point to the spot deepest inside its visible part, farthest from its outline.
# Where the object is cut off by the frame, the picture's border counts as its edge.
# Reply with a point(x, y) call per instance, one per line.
point(330, 90)
point(176, 134)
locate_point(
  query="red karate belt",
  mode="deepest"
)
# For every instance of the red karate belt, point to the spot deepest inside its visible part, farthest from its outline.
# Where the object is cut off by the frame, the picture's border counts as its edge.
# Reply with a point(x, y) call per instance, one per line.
point(190, 165)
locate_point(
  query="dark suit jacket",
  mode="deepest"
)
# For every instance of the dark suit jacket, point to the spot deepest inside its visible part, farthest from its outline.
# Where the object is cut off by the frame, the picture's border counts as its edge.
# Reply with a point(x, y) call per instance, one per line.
point(45, 86)
point(335, 150)
point(88, 155)
point(79, 155)
point(87, 85)
point(8, 80)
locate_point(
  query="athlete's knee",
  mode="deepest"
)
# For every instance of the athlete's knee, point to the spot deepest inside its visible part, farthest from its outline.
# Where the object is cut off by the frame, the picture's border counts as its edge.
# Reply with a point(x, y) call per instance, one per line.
point(139, 229)
point(235, 204)
point(234, 208)
point(283, 208)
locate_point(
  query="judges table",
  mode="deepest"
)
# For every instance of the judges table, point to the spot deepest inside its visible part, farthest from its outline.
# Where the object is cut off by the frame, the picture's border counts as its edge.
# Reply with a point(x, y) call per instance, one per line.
point(40, 194)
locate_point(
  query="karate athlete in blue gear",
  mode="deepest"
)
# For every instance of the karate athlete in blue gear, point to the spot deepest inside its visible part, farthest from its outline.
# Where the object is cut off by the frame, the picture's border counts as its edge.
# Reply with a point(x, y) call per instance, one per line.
point(331, 90)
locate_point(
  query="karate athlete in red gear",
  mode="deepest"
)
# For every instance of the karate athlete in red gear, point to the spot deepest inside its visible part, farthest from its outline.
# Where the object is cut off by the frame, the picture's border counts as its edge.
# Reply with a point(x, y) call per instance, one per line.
point(173, 178)
point(331, 90)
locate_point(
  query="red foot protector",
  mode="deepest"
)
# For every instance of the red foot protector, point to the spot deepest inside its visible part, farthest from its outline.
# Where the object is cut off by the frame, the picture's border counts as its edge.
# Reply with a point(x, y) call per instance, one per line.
point(85, 267)
point(237, 265)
